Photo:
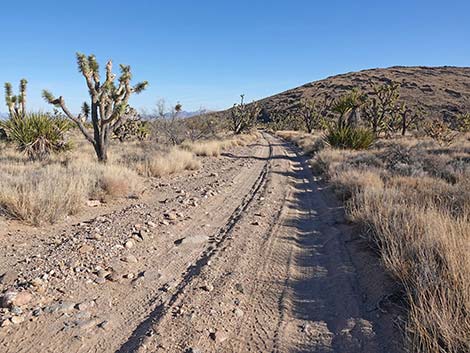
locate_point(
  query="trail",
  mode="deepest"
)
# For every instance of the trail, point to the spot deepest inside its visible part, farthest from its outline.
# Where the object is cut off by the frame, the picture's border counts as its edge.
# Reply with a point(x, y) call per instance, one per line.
point(266, 264)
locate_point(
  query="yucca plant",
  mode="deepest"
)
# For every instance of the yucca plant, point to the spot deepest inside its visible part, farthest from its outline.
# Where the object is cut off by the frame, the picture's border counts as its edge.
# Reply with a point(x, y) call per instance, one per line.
point(349, 138)
point(37, 134)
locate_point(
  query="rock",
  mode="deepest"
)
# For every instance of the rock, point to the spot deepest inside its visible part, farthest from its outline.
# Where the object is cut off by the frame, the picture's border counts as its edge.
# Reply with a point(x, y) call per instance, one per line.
point(105, 325)
point(86, 324)
point(239, 288)
point(218, 336)
point(102, 273)
point(63, 307)
point(165, 222)
point(195, 239)
point(238, 312)
point(130, 259)
point(37, 282)
point(151, 224)
point(214, 174)
point(208, 287)
point(13, 298)
point(5, 323)
point(100, 280)
point(37, 312)
point(93, 203)
point(16, 310)
point(85, 249)
point(193, 350)
point(8, 278)
point(255, 223)
point(129, 244)
point(17, 320)
point(171, 216)
point(114, 277)
point(85, 305)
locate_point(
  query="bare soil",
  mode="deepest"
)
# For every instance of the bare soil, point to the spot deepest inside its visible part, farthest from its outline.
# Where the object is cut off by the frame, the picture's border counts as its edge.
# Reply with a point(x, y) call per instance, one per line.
point(251, 254)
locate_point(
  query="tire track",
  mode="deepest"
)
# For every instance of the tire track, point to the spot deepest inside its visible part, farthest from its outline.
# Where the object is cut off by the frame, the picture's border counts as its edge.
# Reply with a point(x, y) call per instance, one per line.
point(224, 234)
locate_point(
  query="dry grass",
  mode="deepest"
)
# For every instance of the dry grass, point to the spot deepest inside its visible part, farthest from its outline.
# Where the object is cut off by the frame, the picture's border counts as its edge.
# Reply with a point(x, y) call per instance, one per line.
point(39, 194)
point(213, 148)
point(174, 161)
point(413, 198)
point(46, 192)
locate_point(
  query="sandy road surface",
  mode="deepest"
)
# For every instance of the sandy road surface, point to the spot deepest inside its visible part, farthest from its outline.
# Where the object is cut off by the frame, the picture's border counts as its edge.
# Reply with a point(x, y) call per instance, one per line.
point(262, 260)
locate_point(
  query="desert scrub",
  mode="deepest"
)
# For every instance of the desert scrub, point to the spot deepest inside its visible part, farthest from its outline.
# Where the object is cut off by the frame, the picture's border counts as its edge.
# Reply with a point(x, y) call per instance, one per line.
point(37, 135)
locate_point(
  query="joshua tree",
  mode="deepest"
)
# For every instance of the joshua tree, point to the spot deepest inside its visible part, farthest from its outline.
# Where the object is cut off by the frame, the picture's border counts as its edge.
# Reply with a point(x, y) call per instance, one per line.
point(408, 118)
point(381, 109)
point(310, 114)
point(16, 104)
point(244, 116)
point(108, 102)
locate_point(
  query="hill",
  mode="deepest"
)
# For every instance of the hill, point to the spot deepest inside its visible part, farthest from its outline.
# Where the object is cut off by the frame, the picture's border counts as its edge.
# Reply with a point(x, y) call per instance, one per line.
point(442, 91)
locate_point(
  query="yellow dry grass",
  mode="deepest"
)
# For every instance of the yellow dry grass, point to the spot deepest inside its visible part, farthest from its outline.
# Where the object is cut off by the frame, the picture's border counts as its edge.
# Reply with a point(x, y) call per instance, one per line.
point(413, 198)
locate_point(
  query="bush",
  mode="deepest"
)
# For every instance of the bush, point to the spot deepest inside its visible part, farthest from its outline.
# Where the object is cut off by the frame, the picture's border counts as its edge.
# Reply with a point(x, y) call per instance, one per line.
point(349, 138)
point(37, 134)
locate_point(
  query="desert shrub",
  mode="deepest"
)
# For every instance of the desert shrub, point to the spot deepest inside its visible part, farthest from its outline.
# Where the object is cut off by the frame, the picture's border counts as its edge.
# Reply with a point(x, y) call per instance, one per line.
point(37, 134)
point(349, 138)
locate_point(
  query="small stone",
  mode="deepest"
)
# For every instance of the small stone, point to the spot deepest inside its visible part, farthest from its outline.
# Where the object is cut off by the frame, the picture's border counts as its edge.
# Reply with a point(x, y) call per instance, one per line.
point(100, 280)
point(8, 278)
point(193, 350)
point(105, 325)
point(5, 323)
point(93, 203)
point(12, 298)
point(102, 273)
point(218, 336)
point(214, 175)
point(170, 216)
point(37, 312)
point(129, 244)
point(208, 287)
point(85, 249)
point(16, 310)
point(130, 259)
point(17, 319)
point(114, 277)
point(238, 312)
point(86, 324)
point(151, 224)
point(85, 305)
point(239, 288)
point(255, 223)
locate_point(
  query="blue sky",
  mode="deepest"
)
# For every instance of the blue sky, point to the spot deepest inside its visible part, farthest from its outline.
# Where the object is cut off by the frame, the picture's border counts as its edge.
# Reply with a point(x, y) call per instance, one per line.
point(205, 53)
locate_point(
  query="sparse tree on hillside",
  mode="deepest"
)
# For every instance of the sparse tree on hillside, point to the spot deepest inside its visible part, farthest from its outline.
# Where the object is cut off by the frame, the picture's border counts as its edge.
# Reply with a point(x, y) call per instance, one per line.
point(16, 103)
point(380, 110)
point(408, 118)
point(309, 111)
point(108, 102)
point(243, 116)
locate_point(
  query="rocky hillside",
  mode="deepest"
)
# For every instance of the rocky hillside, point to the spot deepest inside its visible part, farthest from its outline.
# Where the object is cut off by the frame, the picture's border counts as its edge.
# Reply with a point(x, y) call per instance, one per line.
point(442, 91)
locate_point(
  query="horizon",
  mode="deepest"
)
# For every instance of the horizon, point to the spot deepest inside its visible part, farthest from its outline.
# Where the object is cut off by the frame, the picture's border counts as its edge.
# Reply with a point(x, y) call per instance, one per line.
point(203, 56)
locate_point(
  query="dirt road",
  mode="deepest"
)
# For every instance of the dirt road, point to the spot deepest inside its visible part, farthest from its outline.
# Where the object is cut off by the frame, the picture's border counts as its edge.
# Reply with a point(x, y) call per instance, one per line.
point(252, 254)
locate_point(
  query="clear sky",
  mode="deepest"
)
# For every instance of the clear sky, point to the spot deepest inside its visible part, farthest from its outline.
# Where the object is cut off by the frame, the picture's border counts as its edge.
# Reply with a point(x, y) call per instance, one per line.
point(205, 53)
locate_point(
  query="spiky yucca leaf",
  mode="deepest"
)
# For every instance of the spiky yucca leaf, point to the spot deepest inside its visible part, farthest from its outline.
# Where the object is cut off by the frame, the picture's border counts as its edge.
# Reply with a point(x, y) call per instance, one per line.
point(349, 138)
point(37, 134)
